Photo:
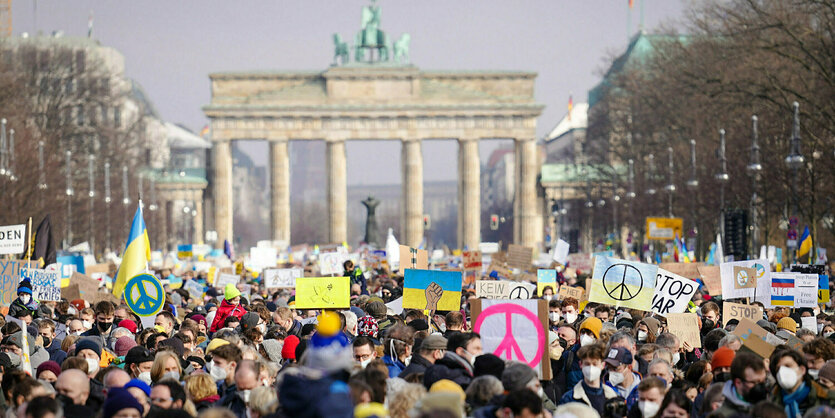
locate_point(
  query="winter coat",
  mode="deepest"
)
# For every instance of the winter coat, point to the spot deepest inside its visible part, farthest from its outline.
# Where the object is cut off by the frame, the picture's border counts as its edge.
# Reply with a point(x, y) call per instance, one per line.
point(224, 311)
point(732, 406)
point(17, 307)
point(234, 403)
point(419, 364)
point(302, 396)
point(451, 366)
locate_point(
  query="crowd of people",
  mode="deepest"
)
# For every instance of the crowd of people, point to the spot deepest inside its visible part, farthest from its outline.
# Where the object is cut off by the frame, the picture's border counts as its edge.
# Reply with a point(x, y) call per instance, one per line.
point(227, 355)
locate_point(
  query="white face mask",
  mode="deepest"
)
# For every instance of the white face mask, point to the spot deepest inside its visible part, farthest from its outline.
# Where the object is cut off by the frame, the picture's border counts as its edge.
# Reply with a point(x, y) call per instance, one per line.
point(827, 334)
point(548, 297)
point(787, 377)
point(676, 358)
point(218, 373)
point(262, 328)
point(648, 409)
point(813, 373)
point(86, 324)
point(591, 373)
point(145, 377)
point(554, 316)
point(407, 360)
point(92, 366)
point(586, 339)
point(642, 336)
point(244, 395)
point(616, 378)
point(472, 357)
point(364, 363)
point(172, 374)
point(570, 317)
point(25, 298)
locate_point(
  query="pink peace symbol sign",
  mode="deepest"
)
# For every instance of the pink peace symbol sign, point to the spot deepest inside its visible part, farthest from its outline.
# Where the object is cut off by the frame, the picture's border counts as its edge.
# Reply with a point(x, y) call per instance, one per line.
point(509, 344)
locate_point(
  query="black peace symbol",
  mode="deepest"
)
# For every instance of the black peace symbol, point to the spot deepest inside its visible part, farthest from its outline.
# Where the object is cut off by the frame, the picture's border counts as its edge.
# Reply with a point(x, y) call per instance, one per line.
point(614, 281)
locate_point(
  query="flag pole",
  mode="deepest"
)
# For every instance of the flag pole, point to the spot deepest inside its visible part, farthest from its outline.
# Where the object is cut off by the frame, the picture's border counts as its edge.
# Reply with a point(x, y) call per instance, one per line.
point(29, 242)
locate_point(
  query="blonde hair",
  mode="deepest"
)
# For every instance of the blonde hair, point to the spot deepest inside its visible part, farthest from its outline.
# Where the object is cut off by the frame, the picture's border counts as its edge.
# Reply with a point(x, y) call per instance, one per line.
point(200, 386)
point(404, 399)
point(158, 368)
point(68, 342)
point(263, 400)
point(216, 413)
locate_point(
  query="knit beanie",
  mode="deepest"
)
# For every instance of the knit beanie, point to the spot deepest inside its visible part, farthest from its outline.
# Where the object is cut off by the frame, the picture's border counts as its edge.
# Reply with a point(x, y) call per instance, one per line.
point(517, 375)
point(88, 343)
point(273, 349)
point(488, 364)
point(288, 351)
point(139, 384)
point(24, 287)
point(49, 365)
point(448, 386)
point(828, 371)
point(592, 324)
point(231, 292)
point(174, 343)
point(119, 399)
point(215, 343)
point(200, 319)
point(787, 324)
point(128, 325)
point(722, 358)
point(123, 345)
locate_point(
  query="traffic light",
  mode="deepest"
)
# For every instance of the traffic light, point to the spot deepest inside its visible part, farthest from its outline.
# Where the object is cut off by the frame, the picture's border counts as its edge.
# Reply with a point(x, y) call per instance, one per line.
point(736, 233)
point(427, 222)
point(494, 222)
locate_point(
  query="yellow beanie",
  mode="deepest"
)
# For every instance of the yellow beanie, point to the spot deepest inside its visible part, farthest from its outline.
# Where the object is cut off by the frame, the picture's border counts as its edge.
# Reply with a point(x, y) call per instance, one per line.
point(371, 409)
point(448, 386)
point(215, 343)
point(592, 324)
point(787, 324)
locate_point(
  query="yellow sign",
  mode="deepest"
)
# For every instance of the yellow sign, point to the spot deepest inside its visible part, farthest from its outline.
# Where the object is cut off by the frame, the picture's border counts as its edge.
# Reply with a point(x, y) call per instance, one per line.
point(323, 292)
point(664, 228)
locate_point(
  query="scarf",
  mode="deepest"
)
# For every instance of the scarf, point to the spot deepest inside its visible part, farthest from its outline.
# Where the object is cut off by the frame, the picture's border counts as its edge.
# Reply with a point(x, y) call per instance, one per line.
point(792, 400)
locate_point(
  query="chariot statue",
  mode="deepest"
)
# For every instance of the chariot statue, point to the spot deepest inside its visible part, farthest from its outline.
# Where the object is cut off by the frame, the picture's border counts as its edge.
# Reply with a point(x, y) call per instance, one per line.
point(340, 50)
point(369, 39)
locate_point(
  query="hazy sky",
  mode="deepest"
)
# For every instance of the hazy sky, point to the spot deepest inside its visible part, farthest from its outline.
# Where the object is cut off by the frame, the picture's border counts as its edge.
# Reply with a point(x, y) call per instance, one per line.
point(170, 47)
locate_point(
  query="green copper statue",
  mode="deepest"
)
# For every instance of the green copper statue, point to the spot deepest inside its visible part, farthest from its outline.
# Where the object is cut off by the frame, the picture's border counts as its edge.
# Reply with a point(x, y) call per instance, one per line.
point(340, 50)
point(369, 39)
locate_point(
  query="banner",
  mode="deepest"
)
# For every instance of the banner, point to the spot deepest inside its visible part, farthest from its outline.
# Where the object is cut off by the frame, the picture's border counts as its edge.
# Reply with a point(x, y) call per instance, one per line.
point(740, 278)
point(546, 278)
point(664, 228)
point(672, 292)
point(580, 261)
point(282, 278)
point(9, 279)
point(194, 289)
point(503, 289)
point(623, 283)
point(567, 291)
point(12, 239)
point(515, 330)
point(795, 290)
point(432, 290)
point(323, 293)
point(45, 284)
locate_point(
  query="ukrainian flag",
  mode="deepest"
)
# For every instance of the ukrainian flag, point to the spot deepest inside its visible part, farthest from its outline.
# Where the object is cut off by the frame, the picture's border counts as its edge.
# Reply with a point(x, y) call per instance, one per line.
point(417, 283)
point(137, 253)
point(805, 243)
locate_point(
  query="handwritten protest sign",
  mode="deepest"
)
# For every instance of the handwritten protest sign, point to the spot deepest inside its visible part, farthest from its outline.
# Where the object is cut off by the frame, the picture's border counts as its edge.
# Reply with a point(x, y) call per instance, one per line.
point(685, 326)
point(580, 261)
point(687, 270)
point(711, 278)
point(515, 330)
point(225, 278)
point(9, 279)
point(519, 257)
point(45, 284)
point(561, 252)
point(753, 338)
point(807, 291)
point(12, 239)
point(622, 283)
point(503, 289)
point(282, 278)
point(323, 292)
point(810, 323)
point(331, 263)
point(739, 279)
point(571, 292)
point(546, 278)
point(500, 269)
point(87, 287)
point(432, 290)
point(413, 258)
point(471, 260)
point(194, 289)
point(741, 311)
point(71, 292)
point(672, 292)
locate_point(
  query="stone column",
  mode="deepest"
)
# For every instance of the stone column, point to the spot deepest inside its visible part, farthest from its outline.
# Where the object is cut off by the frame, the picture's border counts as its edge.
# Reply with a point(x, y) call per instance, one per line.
point(222, 190)
point(469, 183)
point(198, 218)
point(171, 224)
point(411, 160)
point(162, 221)
point(526, 215)
point(280, 190)
point(337, 191)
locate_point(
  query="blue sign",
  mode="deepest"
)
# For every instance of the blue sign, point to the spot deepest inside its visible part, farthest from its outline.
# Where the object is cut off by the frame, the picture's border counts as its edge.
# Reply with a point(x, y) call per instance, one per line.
point(70, 263)
point(144, 295)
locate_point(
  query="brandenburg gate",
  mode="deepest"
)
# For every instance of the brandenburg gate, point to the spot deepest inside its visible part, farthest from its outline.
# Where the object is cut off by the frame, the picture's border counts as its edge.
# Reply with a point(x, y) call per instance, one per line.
point(382, 99)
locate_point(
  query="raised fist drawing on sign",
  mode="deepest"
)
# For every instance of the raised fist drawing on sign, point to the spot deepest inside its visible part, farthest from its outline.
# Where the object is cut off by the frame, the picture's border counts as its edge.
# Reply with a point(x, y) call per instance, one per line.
point(433, 296)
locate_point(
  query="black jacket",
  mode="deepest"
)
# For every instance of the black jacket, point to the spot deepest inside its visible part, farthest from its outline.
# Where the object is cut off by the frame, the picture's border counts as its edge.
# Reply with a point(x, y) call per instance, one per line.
point(451, 366)
point(419, 364)
point(234, 403)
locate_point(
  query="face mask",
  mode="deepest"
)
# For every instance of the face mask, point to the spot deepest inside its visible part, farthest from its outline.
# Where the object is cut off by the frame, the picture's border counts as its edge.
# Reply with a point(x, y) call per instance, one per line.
point(570, 317)
point(555, 353)
point(676, 358)
point(827, 334)
point(787, 377)
point(145, 377)
point(554, 316)
point(76, 333)
point(172, 374)
point(616, 378)
point(262, 328)
point(407, 360)
point(591, 373)
point(92, 366)
point(707, 325)
point(25, 298)
point(471, 359)
point(244, 395)
point(86, 324)
point(648, 409)
point(548, 297)
point(586, 339)
point(642, 336)
point(46, 341)
point(722, 377)
point(218, 373)
point(813, 373)
point(757, 393)
point(563, 343)
point(104, 326)
point(364, 363)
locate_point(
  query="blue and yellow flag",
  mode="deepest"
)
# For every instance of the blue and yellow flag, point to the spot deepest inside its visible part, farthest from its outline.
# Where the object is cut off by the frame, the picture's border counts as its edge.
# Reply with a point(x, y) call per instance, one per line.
point(432, 290)
point(622, 283)
point(137, 253)
point(805, 243)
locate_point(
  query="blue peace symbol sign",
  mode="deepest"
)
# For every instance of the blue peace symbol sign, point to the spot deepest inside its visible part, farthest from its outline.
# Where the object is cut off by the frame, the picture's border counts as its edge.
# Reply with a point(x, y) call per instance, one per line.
point(144, 295)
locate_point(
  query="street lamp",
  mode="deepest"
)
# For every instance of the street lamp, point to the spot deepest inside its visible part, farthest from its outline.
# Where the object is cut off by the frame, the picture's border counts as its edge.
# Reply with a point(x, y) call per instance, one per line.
point(754, 168)
point(11, 168)
point(70, 192)
point(693, 183)
point(794, 161)
point(3, 157)
point(91, 170)
point(722, 177)
point(670, 187)
point(107, 200)
point(631, 193)
point(651, 174)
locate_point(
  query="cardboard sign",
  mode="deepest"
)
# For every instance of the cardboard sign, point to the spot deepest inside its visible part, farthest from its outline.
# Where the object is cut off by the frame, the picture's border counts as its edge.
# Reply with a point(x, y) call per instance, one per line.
point(413, 258)
point(489, 247)
point(810, 323)
point(807, 291)
point(71, 292)
point(499, 269)
point(323, 293)
point(9, 279)
point(741, 311)
point(685, 326)
point(561, 252)
point(332, 263)
point(282, 278)
point(672, 292)
point(194, 289)
point(546, 278)
point(739, 279)
point(12, 238)
point(225, 278)
point(711, 278)
point(471, 260)
point(515, 330)
point(687, 270)
point(431, 290)
point(581, 262)
point(622, 283)
point(97, 268)
point(571, 292)
point(503, 289)
point(519, 257)
point(45, 284)
point(753, 338)
point(664, 228)
point(87, 287)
